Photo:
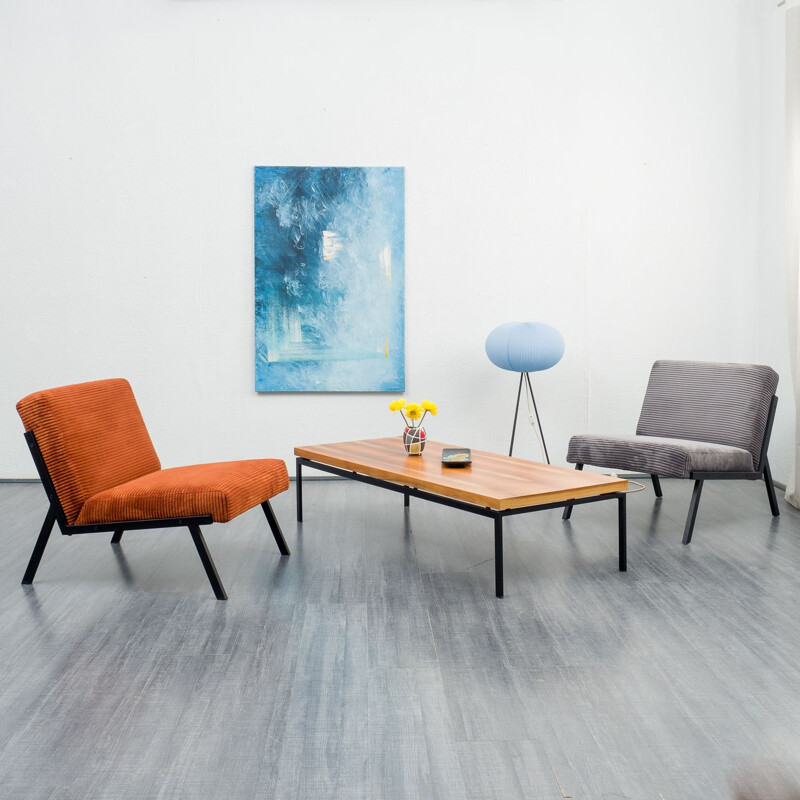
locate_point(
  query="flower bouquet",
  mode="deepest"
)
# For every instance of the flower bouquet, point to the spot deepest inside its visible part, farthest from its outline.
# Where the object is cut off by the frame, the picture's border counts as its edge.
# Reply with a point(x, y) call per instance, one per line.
point(413, 415)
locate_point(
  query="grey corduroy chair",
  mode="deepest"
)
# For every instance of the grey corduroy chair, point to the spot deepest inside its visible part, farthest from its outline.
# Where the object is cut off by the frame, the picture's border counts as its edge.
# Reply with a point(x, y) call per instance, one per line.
point(700, 420)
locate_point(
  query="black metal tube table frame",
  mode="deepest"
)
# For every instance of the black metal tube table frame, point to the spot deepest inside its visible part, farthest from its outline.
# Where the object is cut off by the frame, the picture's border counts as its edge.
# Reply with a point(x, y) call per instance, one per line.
point(498, 515)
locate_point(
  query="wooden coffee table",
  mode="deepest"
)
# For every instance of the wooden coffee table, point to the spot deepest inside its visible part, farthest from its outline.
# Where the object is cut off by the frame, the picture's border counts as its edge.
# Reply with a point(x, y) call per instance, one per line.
point(492, 486)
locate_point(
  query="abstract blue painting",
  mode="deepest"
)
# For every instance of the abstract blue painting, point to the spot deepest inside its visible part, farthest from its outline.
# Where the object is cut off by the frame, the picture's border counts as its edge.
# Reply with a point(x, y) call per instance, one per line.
point(329, 260)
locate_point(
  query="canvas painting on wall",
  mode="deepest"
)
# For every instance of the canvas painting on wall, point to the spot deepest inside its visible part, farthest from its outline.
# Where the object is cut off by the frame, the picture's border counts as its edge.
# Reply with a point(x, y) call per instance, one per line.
point(329, 261)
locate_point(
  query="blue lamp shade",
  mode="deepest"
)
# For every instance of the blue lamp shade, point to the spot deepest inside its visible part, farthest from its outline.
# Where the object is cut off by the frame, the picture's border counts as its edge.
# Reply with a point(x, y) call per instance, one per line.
point(525, 346)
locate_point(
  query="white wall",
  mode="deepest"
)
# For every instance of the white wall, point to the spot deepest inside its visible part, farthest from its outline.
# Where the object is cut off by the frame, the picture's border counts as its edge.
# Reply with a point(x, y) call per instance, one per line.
point(773, 331)
point(592, 165)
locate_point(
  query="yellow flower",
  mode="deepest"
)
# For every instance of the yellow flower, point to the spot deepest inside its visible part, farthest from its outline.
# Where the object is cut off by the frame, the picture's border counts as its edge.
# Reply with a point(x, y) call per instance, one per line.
point(396, 405)
point(414, 411)
point(431, 408)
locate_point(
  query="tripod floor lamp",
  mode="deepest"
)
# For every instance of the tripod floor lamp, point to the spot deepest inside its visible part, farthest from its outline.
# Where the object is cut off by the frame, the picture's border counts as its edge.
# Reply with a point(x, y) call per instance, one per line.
point(525, 347)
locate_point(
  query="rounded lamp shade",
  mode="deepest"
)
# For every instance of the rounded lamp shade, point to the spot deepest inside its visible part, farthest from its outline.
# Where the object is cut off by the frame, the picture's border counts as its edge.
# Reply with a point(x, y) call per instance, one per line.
point(525, 346)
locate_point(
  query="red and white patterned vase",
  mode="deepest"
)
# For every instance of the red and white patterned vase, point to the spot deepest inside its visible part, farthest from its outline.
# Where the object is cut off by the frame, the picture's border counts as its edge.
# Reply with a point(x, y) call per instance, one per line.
point(414, 441)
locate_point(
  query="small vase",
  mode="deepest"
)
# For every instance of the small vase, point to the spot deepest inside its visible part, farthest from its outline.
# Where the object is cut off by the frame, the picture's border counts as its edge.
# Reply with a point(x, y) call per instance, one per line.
point(414, 440)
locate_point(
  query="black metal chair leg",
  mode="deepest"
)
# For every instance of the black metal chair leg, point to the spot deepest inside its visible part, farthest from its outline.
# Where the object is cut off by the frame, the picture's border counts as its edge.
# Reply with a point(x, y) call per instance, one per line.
point(276, 528)
point(41, 543)
point(695, 501)
point(117, 537)
point(568, 509)
point(656, 485)
point(205, 557)
point(773, 501)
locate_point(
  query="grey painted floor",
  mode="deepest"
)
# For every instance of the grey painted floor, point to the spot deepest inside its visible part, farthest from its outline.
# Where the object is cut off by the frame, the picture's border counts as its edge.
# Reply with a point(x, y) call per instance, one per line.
point(375, 662)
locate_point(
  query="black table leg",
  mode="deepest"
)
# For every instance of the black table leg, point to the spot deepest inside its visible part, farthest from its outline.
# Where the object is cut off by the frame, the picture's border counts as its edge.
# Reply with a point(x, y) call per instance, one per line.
point(496, 514)
point(299, 488)
point(498, 555)
point(623, 535)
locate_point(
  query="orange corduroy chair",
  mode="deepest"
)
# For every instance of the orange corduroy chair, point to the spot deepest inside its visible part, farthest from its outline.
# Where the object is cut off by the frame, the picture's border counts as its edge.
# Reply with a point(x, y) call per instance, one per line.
point(101, 473)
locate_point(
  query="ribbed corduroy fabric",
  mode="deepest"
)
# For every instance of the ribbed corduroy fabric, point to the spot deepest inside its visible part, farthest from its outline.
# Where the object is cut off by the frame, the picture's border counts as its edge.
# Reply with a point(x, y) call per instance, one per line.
point(104, 467)
point(709, 402)
point(697, 416)
point(224, 490)
point(669, 458)
point(92, 437)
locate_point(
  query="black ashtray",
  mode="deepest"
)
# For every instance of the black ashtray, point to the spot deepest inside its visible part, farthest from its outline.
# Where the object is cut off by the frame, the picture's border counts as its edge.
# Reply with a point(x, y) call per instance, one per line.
point(456, 456)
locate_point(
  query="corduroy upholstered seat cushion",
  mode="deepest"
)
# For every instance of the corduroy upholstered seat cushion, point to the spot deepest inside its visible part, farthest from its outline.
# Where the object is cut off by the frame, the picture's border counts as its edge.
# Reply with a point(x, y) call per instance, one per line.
point(224, 490)
point(91, 436)
point(709, 402)
point(697, 416)
point(657, 455)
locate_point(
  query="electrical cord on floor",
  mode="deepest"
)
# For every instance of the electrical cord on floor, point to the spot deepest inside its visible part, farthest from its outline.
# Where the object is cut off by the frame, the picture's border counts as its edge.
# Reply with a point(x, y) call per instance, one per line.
point(535, 427)
point(531, 419)
point(635, 483)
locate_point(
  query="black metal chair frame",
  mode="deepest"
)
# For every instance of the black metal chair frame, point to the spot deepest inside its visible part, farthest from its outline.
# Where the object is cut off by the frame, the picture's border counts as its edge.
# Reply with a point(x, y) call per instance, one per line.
point(763, 471)
point(55, 513)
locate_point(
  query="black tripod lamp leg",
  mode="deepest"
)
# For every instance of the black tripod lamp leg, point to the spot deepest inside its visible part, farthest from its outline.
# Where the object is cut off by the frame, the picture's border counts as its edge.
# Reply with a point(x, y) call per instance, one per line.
point(538, 421)
point(516, 414)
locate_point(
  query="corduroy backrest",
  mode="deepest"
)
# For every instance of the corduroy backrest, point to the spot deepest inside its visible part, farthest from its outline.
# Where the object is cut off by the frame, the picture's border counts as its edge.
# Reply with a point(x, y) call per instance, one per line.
point(92, 437)
point(709, 402)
